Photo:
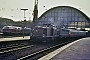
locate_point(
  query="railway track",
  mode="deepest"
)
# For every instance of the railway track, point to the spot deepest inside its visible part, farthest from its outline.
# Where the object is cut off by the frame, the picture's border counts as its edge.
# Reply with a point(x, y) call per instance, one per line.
point(40, 53)
point(7, 52)
point(32, 52)
point(13, 48)
point(6, 47)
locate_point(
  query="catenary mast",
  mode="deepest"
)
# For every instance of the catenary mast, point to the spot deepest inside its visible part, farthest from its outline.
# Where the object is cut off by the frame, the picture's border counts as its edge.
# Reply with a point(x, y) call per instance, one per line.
point(35, 12)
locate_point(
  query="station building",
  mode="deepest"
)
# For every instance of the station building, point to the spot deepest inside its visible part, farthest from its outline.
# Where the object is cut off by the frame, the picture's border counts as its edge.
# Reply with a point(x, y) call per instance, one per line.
point(64, 16)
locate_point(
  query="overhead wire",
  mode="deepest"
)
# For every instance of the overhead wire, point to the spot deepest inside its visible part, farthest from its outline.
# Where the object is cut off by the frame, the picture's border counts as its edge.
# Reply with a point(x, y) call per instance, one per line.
point(52, 2)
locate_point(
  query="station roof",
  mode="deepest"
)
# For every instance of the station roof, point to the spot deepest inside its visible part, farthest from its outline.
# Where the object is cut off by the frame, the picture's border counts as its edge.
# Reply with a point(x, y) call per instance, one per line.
point(66, 7)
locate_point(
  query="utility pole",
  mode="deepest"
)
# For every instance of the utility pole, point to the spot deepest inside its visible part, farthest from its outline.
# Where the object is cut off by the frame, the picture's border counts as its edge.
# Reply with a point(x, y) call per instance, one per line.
point(35, 12)
point(24, 20)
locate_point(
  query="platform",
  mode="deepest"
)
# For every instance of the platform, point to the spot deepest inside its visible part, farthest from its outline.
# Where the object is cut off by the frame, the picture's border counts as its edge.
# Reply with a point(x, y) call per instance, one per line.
point(14, 38)
point(77, 50)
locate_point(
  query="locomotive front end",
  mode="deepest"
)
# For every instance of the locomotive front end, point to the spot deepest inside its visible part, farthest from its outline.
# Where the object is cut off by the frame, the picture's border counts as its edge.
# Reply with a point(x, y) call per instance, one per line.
point(44, 33)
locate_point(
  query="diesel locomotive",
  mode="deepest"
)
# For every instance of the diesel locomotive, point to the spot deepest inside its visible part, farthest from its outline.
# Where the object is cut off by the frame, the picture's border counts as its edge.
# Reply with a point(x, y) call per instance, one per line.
point(44, 33)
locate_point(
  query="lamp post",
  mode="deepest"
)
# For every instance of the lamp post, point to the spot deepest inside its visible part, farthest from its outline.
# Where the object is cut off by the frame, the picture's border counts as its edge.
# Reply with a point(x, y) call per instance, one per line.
point(24, 20)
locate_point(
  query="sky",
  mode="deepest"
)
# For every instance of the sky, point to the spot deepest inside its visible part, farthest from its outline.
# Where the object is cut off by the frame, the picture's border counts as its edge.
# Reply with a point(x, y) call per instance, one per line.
point(11, 8)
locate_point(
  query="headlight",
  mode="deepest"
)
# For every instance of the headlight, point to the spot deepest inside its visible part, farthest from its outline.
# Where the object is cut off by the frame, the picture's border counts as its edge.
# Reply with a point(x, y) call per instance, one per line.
point(43, 35)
